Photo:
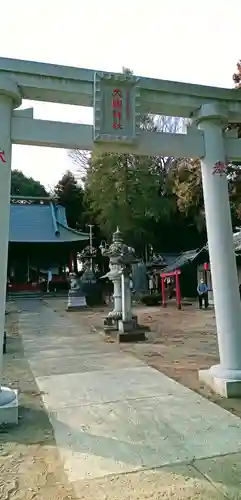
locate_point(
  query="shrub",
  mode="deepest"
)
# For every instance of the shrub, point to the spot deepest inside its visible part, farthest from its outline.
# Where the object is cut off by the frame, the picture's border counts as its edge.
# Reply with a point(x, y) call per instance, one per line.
point(151, 300)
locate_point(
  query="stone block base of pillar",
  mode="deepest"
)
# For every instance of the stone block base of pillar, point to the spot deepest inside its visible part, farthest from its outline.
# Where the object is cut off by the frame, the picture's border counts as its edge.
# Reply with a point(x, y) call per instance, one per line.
point(76, 301)
point(8, 406)
point(226, 387)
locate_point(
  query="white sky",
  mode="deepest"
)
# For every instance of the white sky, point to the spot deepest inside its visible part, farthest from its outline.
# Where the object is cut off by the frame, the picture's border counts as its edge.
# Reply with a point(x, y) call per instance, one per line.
point(183, 40)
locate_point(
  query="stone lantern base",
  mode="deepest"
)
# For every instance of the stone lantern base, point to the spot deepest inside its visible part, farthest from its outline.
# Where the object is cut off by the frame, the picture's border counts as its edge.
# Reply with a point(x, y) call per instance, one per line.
point(8, 406)
point(125, 331)
point(131, 331)
point(110, 324)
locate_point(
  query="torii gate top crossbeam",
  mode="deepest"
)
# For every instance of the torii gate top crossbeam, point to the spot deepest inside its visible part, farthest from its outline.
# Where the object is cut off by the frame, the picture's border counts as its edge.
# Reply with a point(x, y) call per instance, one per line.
point(68, 85)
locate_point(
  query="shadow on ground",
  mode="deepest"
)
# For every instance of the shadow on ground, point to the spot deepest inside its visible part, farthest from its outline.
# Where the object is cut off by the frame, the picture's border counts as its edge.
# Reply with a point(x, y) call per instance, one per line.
point(34, 426)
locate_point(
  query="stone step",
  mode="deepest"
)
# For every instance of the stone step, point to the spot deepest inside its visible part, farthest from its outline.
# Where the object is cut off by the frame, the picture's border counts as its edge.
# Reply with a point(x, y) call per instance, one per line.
point(35, 295)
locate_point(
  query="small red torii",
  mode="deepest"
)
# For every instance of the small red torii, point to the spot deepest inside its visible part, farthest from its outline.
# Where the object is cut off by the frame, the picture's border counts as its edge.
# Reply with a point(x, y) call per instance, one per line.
point(172, 274)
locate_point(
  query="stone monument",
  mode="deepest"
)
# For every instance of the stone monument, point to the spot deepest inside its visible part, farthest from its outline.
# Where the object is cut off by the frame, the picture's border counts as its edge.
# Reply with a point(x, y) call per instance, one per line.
point(76, 297)
point(140, 279)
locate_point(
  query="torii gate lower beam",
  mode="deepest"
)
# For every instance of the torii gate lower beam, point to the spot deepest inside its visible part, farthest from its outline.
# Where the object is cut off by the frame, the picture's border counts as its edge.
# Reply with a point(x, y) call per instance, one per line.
point(50, 134)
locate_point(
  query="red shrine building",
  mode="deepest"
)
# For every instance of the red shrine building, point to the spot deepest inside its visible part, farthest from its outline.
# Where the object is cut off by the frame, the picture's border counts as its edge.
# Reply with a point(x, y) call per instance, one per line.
point(40, 242)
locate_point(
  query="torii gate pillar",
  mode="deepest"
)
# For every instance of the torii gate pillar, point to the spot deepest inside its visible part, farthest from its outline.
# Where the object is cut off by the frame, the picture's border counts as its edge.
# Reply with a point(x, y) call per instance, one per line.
point(9, 99)
point(224, 378)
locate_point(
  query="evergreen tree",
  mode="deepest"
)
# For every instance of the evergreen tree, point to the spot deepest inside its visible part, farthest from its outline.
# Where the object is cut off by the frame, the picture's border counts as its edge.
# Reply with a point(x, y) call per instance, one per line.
point(70, 194)
point(26, 186)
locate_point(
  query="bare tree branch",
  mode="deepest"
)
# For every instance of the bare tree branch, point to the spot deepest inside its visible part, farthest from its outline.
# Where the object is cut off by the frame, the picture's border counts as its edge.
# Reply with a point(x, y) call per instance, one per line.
point(170, 124)
point(166, 124)
point(81, 160)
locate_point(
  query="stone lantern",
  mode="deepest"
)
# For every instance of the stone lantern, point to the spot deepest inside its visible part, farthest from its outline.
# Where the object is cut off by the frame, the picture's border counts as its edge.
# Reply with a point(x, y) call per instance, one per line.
point(121, 318)
point(114, 252)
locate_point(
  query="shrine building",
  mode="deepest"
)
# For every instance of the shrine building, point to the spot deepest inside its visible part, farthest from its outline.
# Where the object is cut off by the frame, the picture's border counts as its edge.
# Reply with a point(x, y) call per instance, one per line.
point(40, 242)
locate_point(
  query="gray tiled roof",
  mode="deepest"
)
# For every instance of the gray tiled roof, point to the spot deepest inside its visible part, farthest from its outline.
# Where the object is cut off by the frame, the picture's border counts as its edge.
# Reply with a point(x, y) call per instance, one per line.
point(41, 223)
point(181, 260)
point(190, 255)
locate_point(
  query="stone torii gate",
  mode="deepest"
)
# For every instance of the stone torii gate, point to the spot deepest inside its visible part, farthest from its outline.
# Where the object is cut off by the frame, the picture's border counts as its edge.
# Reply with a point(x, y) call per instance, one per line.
point(118, 101)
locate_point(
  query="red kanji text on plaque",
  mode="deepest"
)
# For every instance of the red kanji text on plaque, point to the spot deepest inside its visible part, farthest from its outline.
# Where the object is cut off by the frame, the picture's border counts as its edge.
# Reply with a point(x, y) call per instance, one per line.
point(116, 108)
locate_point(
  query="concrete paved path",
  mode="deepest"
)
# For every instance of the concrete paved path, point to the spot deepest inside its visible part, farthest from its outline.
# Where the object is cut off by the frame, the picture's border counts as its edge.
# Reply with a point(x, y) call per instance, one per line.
point(113, 415)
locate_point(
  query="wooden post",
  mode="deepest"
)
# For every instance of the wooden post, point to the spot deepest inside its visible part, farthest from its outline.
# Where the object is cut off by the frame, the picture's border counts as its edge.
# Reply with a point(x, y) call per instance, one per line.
point(71, 263)
point(178, 291)
point(164, 304)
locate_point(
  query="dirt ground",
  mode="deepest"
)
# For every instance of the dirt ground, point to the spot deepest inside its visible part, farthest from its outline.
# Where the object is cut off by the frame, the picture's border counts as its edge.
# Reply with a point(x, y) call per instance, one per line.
point(179, 344)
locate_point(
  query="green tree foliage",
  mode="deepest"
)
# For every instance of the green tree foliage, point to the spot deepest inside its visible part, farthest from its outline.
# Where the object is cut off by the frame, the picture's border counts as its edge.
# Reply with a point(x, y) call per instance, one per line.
point(185, 182)
point(148, 203)
point(26, 186)
point(129, 191)
point(132, 191)
point(70, 194)
point(124, 191)
point(235, 174)
point(137, 194)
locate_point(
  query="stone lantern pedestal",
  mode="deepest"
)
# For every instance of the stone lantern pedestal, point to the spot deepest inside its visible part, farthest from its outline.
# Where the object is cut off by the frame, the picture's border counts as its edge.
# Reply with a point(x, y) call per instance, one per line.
point(128, 328)
point(114, 251)
point(114, 316)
